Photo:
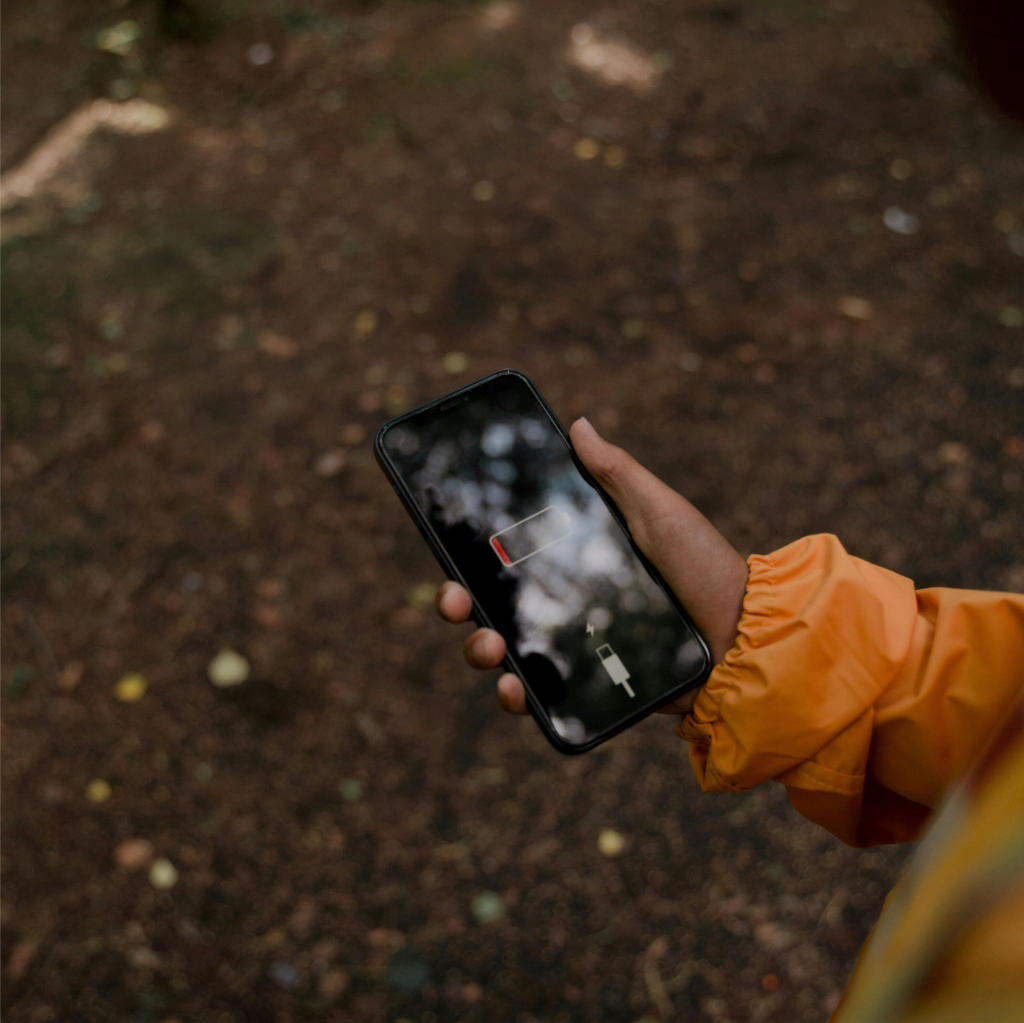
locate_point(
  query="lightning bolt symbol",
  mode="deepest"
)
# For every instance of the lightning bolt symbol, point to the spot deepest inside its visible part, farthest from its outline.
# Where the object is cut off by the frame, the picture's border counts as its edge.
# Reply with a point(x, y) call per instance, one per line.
point(590, 629)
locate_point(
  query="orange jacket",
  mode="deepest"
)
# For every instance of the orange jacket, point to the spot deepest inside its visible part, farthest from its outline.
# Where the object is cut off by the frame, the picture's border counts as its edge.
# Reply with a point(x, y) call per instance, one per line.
point(867, 700)
point(864, 698)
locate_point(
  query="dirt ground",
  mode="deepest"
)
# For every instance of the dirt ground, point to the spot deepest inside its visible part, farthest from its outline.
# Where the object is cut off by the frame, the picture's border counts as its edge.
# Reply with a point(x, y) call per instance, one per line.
point(773, 247)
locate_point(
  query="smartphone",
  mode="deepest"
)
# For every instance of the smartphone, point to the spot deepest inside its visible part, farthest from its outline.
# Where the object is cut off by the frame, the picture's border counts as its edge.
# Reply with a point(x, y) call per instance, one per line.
point(489, 476)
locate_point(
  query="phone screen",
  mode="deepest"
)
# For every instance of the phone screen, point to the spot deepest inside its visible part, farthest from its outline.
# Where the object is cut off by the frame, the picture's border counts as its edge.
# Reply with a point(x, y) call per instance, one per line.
point(594, 637)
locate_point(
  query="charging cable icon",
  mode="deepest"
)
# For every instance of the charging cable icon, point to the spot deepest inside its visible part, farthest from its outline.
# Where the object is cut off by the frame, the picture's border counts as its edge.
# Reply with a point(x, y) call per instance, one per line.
point(617, 671)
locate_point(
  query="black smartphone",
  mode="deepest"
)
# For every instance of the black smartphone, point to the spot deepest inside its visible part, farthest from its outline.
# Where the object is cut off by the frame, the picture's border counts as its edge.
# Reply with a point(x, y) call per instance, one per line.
point(490, 477)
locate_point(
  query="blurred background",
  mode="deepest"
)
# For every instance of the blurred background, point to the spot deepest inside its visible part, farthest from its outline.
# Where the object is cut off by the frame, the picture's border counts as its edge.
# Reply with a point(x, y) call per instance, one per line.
point(775, 248)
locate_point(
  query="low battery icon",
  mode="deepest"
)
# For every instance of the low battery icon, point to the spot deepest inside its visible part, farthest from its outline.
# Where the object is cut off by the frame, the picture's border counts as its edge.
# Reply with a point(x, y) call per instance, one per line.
point(615, 668)
point(531, 535)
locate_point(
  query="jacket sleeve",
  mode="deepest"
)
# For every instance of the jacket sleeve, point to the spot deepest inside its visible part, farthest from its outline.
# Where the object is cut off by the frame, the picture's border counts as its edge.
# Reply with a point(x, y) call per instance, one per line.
point(862, 696)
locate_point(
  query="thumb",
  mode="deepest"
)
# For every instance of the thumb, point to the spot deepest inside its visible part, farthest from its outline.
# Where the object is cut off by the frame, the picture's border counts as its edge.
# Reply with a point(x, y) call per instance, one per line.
point(703, 569)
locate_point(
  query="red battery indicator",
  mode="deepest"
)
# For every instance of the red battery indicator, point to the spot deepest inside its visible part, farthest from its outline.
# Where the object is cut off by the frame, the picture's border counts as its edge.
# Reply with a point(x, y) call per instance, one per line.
point(531, 535)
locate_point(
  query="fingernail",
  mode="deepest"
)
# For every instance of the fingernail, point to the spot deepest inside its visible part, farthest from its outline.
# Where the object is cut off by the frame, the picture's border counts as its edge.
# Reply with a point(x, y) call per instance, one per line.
point(480, 648)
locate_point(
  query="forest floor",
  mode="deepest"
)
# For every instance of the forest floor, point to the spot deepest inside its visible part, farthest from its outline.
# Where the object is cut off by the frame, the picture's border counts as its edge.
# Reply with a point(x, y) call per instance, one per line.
point(772, 247)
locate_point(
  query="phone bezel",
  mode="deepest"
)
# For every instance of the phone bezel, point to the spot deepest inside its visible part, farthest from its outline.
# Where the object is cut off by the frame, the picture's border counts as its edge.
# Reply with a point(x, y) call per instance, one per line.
point(479, 615)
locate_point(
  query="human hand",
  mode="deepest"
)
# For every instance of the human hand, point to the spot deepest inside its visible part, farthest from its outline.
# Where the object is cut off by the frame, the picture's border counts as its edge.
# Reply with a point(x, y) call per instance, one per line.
point(702, 568)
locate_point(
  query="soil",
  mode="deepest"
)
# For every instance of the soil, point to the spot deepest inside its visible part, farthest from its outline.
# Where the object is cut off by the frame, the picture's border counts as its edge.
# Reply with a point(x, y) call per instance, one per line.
point(772, 248)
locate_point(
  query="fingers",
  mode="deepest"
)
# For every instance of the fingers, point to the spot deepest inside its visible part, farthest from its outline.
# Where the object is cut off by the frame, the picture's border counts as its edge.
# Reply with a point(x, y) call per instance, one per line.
point(484, 649)
point(453, 603)
point(698, 563)
point(511, 695)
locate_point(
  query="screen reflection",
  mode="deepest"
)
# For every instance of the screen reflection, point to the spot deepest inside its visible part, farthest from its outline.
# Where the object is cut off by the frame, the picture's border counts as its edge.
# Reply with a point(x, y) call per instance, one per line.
point(595, 637)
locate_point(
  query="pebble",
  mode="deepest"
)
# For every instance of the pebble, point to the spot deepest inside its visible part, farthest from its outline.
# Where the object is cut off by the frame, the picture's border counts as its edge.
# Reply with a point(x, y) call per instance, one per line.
point(332, 984)
point(421, 595)
point(163, 874)
point(484, 191)
point(408, 973)
point(615, 157)
point(130, 688)
point(228, 668)
point(133, 853)
point(899, 221)
point(70, 676)
point(350, 789)
point(365, 324)
point(488, 907)
point(901, 168)
point(21, 676)
point(284, 975)
point(1011, 316)
point(611, 843)
point(278, 345)
point(455, 363)
point(97, 791)
point(633, 329)
point(586, 149)
point(260, 54)
point(856, 308)
point(330, 463)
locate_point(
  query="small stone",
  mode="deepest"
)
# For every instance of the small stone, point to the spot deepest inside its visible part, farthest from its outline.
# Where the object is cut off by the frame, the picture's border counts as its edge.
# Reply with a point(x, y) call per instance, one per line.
point(227, 669)
point(365, 324)
point(770, 983)
point(331, 101)
point(1011, 316)
point(952, 452)
point(1015, 378)
point(284, 975)
point(134, 853)
point(899, 221)
point(143, 958)
point(204, 772)
point(119, 38)
point(455, 363)
point(611, 843)
point(484, 191)
point(615, 157)
point(488, 907)
point(163, 874)
point(689, 362)
point(278, 345)
point(152, 432)
point(70, 676)
point(354, 433)
point(901, 168)
point(332, 984)
point(408, 973)
point(350, 790)
point(20, 678)
point(749, 271)
point(1006, 221)
point(633, 329)
point(111, 329)
point(97, 791)
point(421, 595)
point(856, 308)
point(586, 149)
point(130, 688)
point(260, 54)
point(330, 463)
